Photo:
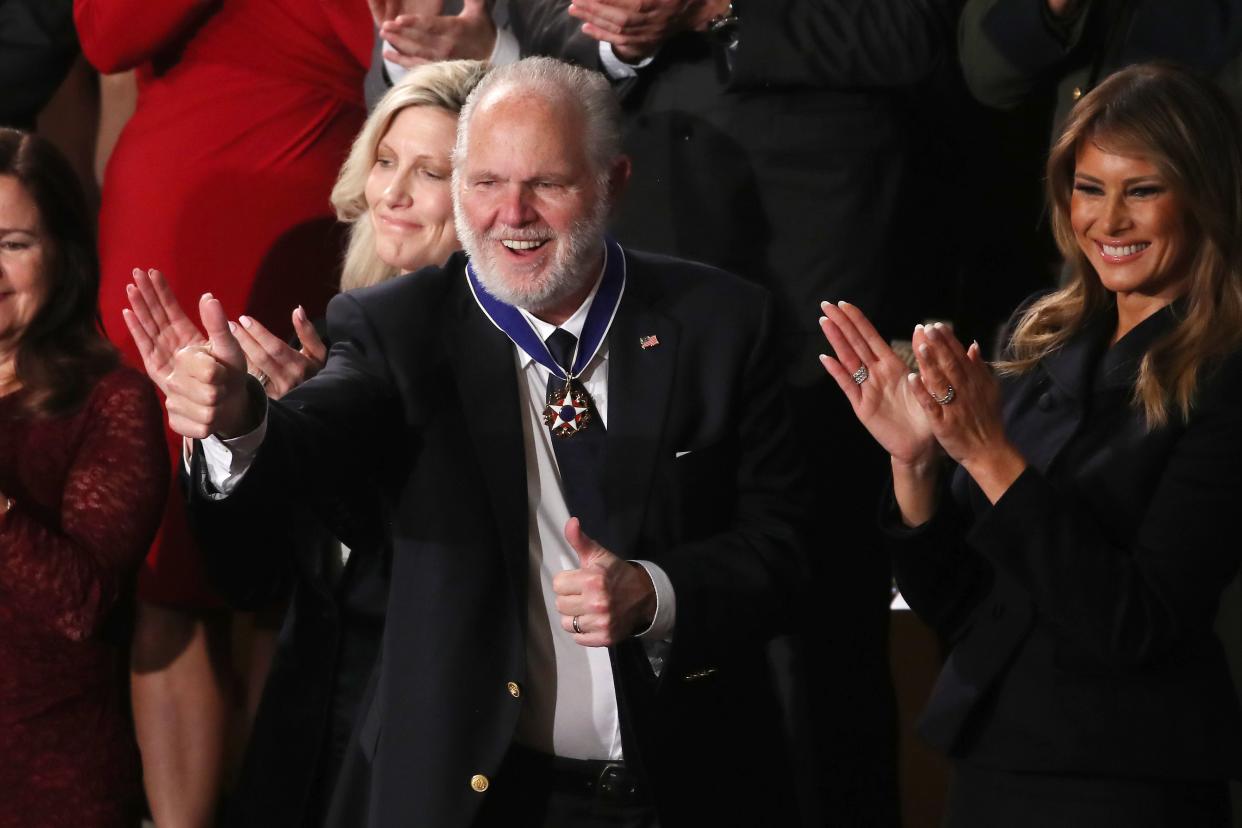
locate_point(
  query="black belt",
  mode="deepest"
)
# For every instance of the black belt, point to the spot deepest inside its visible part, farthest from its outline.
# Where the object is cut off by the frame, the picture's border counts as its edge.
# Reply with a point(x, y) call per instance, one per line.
point(598, 778)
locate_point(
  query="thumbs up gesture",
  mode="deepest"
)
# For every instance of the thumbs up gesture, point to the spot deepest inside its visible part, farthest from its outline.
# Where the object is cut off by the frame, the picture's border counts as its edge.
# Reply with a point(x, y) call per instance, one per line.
point(608, 599)
point(206, 391)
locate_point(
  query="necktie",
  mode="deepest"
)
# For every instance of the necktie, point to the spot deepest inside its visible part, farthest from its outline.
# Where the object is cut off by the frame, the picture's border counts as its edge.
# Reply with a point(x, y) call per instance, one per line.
point(580, 456)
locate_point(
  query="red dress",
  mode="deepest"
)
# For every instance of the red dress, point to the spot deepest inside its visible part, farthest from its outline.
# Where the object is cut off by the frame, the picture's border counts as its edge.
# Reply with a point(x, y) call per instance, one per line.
point(88, 489)
point(246, 109)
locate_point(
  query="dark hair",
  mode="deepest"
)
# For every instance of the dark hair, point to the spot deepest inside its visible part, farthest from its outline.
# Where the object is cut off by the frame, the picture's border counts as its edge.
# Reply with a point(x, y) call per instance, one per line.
point(1187, 128)
point(63, 350)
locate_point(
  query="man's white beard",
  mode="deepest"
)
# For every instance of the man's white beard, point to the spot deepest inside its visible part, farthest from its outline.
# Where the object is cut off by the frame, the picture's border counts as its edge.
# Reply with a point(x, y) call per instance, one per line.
point(566, 273)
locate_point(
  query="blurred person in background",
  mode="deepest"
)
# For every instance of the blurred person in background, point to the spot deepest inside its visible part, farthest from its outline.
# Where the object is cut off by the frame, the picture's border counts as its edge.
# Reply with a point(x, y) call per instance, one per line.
point(394, 192)
point(1074, 550)
point(221, 177)
point(1012, 50)
point(83, 476)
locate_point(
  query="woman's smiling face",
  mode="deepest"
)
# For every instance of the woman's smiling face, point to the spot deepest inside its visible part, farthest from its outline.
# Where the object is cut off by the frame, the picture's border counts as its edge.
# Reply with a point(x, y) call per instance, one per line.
point(1130, 224)
point(408, 191)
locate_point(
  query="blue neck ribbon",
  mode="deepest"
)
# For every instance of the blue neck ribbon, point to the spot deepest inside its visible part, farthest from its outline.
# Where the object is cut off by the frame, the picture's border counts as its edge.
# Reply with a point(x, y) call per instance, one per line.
point(603, 310)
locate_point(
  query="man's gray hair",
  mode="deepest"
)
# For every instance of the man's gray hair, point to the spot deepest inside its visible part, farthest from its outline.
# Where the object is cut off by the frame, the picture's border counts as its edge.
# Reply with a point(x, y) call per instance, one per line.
point(556, 81)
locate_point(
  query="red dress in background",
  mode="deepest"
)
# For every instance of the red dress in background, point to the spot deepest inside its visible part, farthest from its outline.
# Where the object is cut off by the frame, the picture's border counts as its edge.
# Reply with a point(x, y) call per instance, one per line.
point(246, 110)
point(88, 490)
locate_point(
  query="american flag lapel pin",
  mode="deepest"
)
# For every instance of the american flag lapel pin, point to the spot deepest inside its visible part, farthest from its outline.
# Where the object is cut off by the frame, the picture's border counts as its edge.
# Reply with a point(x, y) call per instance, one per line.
point(649, 341)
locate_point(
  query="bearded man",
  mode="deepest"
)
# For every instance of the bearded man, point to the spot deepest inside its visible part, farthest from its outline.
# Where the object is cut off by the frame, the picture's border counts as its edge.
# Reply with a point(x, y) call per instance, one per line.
point(596, 519)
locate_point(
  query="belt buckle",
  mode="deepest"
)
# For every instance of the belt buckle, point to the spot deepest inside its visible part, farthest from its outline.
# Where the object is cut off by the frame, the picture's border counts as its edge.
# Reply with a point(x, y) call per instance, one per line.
point(615, 782)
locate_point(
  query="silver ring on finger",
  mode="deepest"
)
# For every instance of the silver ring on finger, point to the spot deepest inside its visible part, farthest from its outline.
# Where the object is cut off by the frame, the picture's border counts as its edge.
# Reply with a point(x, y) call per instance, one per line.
point(577, 629)
point(860, 375)
point(263, 378)
point(949, 394)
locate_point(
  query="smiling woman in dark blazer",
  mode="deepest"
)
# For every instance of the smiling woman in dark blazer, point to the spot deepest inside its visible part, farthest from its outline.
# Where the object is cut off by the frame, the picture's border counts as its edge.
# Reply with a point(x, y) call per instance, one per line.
point(1073, 553)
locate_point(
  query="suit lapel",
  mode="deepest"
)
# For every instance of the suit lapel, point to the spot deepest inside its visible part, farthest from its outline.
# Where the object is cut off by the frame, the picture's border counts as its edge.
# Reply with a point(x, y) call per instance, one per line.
point(640, 382)
point(483, 369)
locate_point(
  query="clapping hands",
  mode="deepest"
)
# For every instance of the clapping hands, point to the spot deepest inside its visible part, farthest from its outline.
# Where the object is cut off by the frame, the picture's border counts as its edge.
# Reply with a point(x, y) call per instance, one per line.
point(157, 324)
point(279, 367)
point(884, 395)
point(160, 328)
point(952, 405)
point(637, 28)
point(417, 32)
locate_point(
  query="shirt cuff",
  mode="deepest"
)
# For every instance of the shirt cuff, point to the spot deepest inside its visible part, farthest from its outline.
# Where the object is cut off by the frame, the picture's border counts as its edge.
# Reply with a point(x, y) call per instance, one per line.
point(229, 460)
point(394, 71)
point(666, 603)
point(507, 49)
point(617, 69)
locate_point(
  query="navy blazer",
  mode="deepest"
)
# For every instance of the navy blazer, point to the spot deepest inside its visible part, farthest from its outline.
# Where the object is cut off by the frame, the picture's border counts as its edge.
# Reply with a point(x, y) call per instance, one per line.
point(420, 396)
point(1080, 606)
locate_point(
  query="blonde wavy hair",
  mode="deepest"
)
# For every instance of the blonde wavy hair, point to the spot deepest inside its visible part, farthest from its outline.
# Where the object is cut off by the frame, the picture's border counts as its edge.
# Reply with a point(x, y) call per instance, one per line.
point(1187, 128)
point(445, 85)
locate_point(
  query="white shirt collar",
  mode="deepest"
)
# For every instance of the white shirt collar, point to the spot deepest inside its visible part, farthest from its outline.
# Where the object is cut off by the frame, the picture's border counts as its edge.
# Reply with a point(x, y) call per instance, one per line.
point(573, 324)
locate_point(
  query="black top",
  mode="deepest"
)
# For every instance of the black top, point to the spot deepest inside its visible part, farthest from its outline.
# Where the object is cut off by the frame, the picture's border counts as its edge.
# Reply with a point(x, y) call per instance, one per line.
point(1080, 606)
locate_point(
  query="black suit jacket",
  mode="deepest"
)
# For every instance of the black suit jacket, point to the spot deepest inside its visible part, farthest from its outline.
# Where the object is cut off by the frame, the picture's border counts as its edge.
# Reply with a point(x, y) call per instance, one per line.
point(420, 393)
point(1080, 606)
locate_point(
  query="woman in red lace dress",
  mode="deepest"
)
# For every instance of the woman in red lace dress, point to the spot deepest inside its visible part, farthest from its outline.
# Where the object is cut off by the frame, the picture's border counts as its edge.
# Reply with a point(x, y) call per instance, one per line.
point(82, 484)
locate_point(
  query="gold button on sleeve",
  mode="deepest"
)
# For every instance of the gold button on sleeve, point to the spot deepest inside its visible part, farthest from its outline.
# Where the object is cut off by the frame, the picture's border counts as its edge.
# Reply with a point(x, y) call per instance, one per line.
point(515, 689)
point(479, 783)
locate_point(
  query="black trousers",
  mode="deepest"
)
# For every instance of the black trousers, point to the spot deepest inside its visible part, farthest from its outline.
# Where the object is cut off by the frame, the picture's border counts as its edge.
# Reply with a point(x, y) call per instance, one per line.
point(982, 798)
point(536, 791)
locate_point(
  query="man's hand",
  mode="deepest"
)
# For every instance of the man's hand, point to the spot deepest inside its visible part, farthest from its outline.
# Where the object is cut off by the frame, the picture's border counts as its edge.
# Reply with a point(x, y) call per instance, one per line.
point(611, 599)
point(637, 28)
point(206, 391)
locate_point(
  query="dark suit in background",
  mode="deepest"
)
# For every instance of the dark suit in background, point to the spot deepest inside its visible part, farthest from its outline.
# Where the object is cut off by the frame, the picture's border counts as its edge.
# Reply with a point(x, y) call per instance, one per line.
point(420, 394)
point(37, 46)
point(1080, 606)
point(1014, 49)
